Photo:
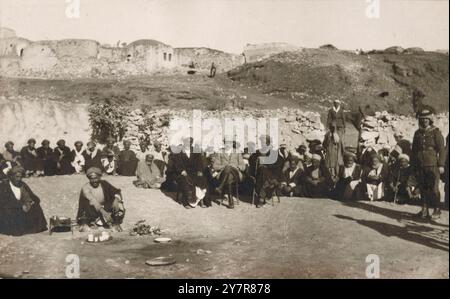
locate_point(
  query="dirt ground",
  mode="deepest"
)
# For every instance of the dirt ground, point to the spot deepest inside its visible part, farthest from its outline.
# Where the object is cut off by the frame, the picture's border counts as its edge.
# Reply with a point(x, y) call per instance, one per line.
point(297, 238)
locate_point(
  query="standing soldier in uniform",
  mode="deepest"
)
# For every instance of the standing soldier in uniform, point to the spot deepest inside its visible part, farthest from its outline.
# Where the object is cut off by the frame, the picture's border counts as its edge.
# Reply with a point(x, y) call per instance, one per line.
point(428, 160)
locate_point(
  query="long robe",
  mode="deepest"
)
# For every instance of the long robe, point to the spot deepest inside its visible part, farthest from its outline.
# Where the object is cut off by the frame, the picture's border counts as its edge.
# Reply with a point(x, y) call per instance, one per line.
point(334, 150)
point(13, 219)
point(64, 159)
point(92, 159)
point(347, 184)
point(148, 176)
point(320, 175)
point(127, 163)
point(193, 165)
point(47, 157)
point(375, 187)
point(30, 159)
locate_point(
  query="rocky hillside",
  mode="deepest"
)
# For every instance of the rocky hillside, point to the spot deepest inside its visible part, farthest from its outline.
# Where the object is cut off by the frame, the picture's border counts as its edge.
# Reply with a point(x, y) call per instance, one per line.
point(381, 80)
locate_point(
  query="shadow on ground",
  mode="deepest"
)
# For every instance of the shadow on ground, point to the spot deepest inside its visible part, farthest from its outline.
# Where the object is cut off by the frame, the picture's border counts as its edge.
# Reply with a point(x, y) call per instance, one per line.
point(411, 231)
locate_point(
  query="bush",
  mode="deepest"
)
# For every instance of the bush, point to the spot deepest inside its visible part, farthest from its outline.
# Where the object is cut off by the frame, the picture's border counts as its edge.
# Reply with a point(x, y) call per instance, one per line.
point(107, 119)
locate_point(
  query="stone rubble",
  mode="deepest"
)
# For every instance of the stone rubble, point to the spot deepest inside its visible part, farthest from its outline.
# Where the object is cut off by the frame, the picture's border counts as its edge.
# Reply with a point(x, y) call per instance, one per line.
point(378, 131)
point(295, 126)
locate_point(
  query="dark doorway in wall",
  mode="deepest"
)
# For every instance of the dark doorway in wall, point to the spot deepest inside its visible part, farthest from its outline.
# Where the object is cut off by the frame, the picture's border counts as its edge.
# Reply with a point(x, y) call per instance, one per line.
point(165, 56)
point(128, 57)
point(170, 56)
point(21, 52)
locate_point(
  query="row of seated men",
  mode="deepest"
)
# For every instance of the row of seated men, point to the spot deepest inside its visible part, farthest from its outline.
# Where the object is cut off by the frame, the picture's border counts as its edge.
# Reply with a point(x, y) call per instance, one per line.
point(196, 176)
point(61, 160)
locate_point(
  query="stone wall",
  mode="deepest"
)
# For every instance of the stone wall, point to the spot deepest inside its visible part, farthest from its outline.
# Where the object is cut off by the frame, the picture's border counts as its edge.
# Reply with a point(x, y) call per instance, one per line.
point(379, 130)
point(295, 126)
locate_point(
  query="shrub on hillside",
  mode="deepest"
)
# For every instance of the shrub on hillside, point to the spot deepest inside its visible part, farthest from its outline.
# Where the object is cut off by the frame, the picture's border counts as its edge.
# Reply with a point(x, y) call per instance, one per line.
point(107, 119)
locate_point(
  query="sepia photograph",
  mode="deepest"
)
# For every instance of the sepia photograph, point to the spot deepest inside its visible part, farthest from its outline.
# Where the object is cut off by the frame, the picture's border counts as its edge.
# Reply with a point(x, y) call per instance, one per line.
point(224, 140)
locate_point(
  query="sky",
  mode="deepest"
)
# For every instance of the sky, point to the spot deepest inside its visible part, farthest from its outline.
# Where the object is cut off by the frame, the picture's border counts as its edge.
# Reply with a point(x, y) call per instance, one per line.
point(229, 25)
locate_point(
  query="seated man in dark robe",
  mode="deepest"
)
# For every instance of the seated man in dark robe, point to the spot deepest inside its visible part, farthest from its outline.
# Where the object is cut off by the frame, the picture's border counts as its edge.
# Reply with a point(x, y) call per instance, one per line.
point(20, 210)
point(188, 170)
point(64, 158)
point(317, 179)
point(92, 156)
point(374, 179)
point(291, 182)
point(47, 158)
point(228, 166)
point(100, 203)
point(349, 176)
point(30, 159)
point(401, 182)
point(148, 174)
point(127, 161)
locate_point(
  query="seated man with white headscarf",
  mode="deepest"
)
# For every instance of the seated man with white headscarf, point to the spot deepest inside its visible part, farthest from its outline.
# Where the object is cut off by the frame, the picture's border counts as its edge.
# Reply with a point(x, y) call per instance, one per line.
point(100, 203)
point(374, 179)
point(402, 183)
point(349, 177)
point(148, 174)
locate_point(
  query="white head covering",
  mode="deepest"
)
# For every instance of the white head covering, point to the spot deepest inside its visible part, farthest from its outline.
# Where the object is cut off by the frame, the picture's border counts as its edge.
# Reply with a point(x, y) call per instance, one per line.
point(403, 157)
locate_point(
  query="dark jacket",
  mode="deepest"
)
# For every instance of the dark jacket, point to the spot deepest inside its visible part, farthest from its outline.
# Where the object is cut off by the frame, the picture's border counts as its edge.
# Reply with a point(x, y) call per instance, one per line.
point(47, 156)
point(337, 117)
point(382, 178)
point(428, 148)
point(296, 178)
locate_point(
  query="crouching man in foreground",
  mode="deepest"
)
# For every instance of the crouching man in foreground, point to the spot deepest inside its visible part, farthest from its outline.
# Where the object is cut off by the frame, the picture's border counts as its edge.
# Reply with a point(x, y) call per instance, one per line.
point(100, 203)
